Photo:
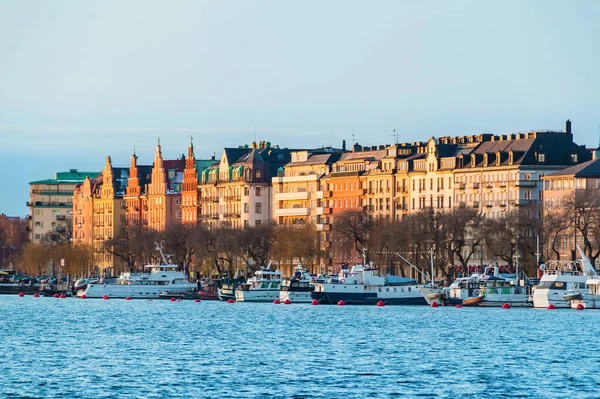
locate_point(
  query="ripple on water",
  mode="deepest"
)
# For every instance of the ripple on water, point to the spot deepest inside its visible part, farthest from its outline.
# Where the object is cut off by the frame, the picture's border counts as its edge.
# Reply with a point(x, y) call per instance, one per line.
point(141, 349)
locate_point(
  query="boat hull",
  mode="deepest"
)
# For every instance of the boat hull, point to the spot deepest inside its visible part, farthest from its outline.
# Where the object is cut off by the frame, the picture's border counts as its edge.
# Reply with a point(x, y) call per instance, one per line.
point(14, 289)
point(256, 295)
point(366, 298)
point(132, 291)
point(296, 296)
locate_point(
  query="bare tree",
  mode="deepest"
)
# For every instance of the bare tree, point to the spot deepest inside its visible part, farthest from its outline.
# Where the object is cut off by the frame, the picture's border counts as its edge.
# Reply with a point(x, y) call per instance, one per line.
point(585, 207)
point(556, 224)
point(462, 234)
point(354, 226)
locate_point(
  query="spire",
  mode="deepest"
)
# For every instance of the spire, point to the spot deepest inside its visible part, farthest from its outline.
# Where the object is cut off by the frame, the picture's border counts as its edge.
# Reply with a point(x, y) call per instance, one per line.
point(191, 148)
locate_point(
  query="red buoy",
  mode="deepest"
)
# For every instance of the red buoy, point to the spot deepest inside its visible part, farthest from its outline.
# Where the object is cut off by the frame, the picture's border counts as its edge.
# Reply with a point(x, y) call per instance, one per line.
point(287, 302)
point(459, 306)
point(128, 299)
point(434, 304)
point(21, 294)
point(579, 307)
point(276, 302)
point(506, 306)
point(341, 302)
point(105, 297)
point(231, 301)
point(172, 299)
point(196, 300)
point(36, 295)
point(315, 302)
point(179, 300)
point(83, 296)
point(55, 296)
point(62, 296)
point(551, 307)
point(380, 303)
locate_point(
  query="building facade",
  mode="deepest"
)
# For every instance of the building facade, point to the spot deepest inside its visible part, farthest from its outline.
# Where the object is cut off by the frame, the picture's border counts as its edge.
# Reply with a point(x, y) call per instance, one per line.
point(51, 202)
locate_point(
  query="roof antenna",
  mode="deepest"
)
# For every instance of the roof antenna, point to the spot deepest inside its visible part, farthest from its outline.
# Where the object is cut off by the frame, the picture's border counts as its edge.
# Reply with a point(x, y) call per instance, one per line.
point(255, 134)
point(353, 140)
point(395, 135)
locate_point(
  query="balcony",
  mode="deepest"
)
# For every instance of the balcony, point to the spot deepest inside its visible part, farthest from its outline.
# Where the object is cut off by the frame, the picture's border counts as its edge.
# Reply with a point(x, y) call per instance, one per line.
point(523, 202)
point(292, 212)
point(323, 211)
point(303, 195)
point(476, 204)
point(232, 198)
point(292, 179)
point(323, 227)
point(61, 217)
point(475, 186)
point(526, 183)
point(208, 199)
point(323, 194)
point(230, 215)
point(461, 186)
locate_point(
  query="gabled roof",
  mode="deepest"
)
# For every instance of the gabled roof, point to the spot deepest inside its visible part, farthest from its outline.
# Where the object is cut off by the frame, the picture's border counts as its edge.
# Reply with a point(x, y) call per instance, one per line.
point(585, 169)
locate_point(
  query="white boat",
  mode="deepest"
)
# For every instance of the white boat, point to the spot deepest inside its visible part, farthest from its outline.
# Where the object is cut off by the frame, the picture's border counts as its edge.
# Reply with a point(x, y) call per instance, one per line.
point(497, 291)
point(588, 298)
point(154, 280)
point(362, 285)
point(263, 287)
point(561, 277)
point(298, 288)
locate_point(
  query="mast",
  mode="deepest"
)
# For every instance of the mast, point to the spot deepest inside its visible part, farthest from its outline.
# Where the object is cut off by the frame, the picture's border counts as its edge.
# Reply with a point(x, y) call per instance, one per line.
point(432, 275)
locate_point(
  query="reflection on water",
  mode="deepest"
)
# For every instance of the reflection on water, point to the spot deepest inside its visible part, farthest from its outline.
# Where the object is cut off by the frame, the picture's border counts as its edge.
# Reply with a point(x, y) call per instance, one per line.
point(122, 349)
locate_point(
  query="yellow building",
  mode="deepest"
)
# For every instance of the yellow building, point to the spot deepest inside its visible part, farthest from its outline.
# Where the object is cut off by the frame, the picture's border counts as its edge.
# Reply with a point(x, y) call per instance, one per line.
point(109, 214)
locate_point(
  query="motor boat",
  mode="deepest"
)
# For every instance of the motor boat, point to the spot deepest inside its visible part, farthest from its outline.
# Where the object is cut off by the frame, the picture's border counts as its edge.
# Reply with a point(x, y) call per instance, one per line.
point(297, 289)
point(263, 287)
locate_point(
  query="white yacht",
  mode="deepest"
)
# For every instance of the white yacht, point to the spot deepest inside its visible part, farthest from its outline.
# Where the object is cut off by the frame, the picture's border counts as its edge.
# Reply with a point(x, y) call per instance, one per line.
point(154, 280)
point(263, 287)
point(363, 285)
point(561, 277)
point(497, 291)
point(589, 298)
point(298, 288)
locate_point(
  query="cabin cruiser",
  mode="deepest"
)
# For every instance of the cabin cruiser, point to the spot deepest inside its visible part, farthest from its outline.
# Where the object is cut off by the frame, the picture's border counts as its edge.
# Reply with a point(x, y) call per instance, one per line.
point(154, 280)
point(362, 285)
point(297, 288)
point(495, 292)
point(589, 297)
point(263, 287)
point(561, 278)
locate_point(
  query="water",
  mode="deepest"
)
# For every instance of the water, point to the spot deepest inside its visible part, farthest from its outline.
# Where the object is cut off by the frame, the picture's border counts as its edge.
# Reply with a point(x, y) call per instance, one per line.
point(139, 349)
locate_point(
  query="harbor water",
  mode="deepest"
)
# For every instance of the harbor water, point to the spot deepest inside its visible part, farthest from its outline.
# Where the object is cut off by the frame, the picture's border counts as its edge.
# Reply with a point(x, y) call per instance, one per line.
point(76, 348)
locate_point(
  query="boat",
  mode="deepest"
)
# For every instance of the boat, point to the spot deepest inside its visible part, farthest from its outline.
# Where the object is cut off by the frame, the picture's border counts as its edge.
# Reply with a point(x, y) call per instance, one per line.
point(154, 280)
point(226, 291)
point(209, 291)
point(561, 278)
point(179, 295)
point(495, 292)
point(362, 285)
point(472, 301)
point(263, 287)
point(588, 298)
point(297, 289)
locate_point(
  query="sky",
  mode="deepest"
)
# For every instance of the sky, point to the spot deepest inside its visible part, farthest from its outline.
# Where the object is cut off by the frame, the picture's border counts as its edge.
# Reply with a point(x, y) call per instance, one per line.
point(80, 80)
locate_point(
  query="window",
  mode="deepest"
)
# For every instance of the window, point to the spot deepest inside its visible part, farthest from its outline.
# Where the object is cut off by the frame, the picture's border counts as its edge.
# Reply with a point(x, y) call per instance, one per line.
point(178, 214)
point(258, 190)
point(178, 201)
point(246, 207)
point(258, 174)
point(39, 212)
point(246, 224)
point(257, 223)
point(258, 208)
point(574, 158)
point(171, 174)
point(246, 190)
point(541, 157)
point(38, 236)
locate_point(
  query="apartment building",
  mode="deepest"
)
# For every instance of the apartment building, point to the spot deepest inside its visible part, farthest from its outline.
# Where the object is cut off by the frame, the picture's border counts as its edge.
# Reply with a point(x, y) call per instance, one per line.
point(51, 202)
point(236, 191)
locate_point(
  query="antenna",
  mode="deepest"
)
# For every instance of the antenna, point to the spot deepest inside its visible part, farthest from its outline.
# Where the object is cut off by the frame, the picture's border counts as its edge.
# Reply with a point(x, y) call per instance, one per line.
point(353, 139)
point(395, 135)
point(254, 134)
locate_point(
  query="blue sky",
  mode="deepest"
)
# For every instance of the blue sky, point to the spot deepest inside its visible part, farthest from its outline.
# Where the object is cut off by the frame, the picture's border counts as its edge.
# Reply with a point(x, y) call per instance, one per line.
point(80, 80)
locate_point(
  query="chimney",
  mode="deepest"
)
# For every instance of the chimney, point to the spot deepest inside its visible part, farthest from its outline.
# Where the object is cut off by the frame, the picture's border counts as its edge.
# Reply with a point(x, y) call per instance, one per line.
point(343, 145)
point(213, 156)
point(568, 126)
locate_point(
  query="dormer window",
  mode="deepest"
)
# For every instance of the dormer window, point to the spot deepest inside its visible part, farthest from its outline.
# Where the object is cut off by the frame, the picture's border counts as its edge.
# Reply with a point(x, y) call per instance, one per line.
point(574, 158)
point(541, 157)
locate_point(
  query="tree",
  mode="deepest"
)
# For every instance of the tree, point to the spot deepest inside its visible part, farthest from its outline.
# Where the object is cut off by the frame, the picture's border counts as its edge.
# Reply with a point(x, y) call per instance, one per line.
point(585, 207)
point(556, 223)
point(133, 244)
point(181, 240)
point(355, 227)
point(462, 234)
point(255, 244)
